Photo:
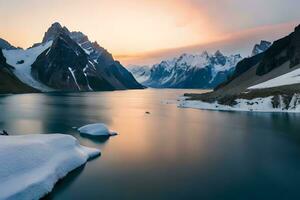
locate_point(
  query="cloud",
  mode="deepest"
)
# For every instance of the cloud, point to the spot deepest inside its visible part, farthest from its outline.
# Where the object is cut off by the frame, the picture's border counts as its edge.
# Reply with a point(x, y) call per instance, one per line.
point(238, 42)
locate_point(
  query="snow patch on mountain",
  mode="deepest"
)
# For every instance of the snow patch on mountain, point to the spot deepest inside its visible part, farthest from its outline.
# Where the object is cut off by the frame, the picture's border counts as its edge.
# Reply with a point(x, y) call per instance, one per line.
point(290, 78)
point(22, 60)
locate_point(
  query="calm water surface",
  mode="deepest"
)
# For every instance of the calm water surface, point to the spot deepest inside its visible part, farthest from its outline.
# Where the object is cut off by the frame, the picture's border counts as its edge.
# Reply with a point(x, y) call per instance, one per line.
point(170, 154)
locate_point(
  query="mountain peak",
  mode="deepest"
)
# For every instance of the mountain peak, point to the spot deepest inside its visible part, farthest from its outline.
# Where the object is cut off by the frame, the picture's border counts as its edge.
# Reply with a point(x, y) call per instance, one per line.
point(54, 30)
point(205, 54)
point(218, 53)
point(56, 25)
point(261, 47)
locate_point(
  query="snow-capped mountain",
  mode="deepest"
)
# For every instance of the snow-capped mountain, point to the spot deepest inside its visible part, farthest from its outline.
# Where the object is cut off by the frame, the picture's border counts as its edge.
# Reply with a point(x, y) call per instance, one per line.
point(141, 73)
point(189, 71)
point(261, 47)
point(68, 61)
point(268, 81)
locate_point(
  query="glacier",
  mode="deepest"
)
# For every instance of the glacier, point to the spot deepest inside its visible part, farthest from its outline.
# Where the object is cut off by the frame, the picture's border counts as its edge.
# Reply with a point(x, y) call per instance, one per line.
point(22, 60)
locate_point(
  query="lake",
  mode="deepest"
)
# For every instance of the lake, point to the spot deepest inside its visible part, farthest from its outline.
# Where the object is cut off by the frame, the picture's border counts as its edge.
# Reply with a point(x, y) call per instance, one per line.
point(171, 153)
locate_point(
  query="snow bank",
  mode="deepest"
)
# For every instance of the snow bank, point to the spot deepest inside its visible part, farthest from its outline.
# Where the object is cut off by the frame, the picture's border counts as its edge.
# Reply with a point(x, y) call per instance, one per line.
point(22, 61)
point(290, 78)
point(97, 129)
point(32, 164)
point(254, 105)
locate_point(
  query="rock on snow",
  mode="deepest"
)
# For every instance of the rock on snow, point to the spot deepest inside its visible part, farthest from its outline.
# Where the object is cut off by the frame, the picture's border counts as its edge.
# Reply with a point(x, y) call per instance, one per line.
point(254, 105)
point(97, 129)
point(32, 164)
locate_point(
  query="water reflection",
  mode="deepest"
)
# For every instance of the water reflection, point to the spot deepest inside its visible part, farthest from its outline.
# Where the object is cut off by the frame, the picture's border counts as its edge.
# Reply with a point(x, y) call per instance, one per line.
point(169, 154)
point(99, 140)
point(65, 183)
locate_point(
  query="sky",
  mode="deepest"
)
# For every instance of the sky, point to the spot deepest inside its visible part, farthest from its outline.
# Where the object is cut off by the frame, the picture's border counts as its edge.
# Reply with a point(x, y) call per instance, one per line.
point(145, 31)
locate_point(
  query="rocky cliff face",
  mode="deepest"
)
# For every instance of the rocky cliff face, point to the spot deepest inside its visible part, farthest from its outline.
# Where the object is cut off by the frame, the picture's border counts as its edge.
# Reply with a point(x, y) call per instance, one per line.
point(84, 66)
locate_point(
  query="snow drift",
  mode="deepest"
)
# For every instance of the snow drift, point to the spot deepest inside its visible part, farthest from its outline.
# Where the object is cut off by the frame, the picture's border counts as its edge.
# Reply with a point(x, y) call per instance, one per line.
point(32, 164)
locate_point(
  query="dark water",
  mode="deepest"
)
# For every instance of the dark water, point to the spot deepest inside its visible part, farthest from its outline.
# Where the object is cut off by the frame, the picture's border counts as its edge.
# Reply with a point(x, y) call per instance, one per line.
point(170, 153)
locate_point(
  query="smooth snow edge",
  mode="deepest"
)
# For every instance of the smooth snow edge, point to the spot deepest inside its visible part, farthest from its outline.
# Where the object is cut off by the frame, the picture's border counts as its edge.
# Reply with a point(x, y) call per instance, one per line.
point(32, 164)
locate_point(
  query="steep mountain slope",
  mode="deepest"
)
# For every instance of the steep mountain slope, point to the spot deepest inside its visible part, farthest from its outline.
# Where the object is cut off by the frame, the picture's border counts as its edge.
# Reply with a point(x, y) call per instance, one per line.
point(68, 61)
point(85, 66)
point(276, 68)
point(6, 45)
point(189, 71)
point(9, 83)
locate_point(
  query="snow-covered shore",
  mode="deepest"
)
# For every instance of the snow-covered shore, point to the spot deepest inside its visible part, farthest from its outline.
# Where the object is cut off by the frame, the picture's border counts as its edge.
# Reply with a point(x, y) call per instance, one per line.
point(253, 105)
point(32, 164)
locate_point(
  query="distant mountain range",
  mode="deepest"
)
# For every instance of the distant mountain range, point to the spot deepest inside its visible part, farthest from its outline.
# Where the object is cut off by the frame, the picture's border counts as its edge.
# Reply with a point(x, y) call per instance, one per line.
point(63, 61)
point(204, 71)
point(268, 79)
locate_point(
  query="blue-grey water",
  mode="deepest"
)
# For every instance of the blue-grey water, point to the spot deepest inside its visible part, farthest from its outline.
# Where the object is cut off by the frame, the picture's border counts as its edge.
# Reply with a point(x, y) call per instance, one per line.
point(170, 153)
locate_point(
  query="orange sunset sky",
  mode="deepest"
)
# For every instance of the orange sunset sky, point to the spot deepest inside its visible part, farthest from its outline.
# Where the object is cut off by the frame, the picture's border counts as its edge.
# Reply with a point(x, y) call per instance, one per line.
point(145, 31)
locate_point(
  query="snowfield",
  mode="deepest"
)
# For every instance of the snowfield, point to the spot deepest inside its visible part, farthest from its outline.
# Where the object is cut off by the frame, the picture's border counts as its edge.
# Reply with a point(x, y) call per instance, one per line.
point(254, 105)
point(97, 129)
point(22, 61)
point(290, 78)
point(32, 164)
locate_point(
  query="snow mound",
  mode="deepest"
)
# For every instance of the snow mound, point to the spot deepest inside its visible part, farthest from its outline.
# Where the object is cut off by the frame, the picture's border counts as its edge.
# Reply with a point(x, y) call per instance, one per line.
point(97, 129)
point(290, 78)
point(22, 61)
point(32, 164)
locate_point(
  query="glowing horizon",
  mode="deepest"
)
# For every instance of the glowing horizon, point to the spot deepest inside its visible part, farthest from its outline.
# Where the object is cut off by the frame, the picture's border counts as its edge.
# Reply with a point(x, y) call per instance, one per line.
point(130, 28)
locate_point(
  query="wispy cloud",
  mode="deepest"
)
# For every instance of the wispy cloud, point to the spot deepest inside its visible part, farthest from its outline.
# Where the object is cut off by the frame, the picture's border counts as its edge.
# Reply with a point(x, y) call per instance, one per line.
point(236, 42)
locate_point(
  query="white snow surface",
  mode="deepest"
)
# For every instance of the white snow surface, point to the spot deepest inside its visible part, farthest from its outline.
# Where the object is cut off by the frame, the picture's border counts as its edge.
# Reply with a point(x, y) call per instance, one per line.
point(23, 70)
point(254, 105)
point(97, 129)
point(290, 78)
point(32, 164)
